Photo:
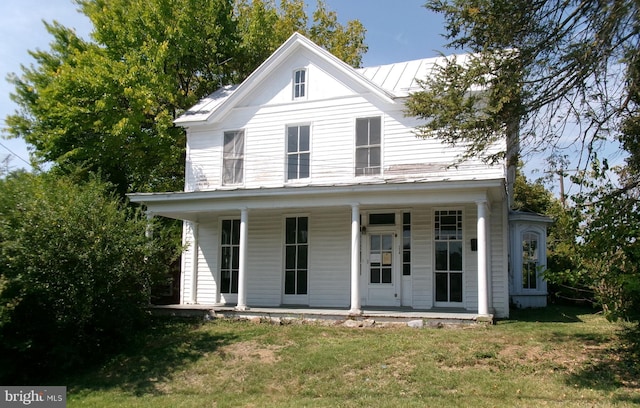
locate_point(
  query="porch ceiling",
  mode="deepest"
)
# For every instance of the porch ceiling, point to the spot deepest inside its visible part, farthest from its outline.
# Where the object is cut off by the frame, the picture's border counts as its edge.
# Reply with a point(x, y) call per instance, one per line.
point(195, 205)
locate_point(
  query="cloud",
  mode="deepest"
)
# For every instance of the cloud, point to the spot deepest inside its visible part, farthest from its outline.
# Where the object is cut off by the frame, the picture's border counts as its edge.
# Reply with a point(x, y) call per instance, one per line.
point(401, 39)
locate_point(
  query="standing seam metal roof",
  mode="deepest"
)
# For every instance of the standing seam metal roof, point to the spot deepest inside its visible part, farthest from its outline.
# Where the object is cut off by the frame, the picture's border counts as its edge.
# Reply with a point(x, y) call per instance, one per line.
point(400, 78)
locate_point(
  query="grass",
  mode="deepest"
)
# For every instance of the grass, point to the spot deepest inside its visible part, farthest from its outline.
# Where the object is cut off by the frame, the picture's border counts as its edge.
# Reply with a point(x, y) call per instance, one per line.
point(555, 357)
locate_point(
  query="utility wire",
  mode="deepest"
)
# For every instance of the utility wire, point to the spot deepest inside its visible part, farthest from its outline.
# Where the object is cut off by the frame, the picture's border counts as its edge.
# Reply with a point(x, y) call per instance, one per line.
point(13, 153)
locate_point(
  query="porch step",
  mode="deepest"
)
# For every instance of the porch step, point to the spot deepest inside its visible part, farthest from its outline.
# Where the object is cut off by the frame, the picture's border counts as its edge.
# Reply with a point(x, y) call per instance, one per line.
point(368, 317)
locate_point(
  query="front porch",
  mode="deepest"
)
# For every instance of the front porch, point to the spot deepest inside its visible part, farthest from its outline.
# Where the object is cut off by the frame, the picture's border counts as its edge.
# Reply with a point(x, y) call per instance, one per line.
point(369, 316)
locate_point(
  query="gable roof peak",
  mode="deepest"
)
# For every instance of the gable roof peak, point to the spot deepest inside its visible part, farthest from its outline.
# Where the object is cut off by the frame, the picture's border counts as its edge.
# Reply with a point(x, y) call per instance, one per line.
point(221, 101)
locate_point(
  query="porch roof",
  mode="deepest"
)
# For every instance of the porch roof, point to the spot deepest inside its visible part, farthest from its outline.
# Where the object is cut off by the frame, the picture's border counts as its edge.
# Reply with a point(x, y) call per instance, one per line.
point(193, 205)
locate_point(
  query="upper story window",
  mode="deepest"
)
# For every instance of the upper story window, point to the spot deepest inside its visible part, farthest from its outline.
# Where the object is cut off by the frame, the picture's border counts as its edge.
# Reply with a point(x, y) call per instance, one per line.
point(300, 83)
point(530, 260)
point(298, 152)
point(368, 146)
point(233, 157)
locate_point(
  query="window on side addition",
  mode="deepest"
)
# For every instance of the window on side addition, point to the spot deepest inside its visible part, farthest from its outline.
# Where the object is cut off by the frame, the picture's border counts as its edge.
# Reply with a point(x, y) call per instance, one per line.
point(530, 260)
point(300, 84)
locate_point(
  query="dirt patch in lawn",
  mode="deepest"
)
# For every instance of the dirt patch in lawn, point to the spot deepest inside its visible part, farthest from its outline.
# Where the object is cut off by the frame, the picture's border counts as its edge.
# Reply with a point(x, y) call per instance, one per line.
point(246, 351)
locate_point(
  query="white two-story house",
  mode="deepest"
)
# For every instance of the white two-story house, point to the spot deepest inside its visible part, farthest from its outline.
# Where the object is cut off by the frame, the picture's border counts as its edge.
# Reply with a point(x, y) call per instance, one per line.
point(306, 185)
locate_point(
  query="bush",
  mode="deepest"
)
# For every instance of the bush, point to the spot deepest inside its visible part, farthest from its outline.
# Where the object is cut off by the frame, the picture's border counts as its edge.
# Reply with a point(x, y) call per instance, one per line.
point(75, 274)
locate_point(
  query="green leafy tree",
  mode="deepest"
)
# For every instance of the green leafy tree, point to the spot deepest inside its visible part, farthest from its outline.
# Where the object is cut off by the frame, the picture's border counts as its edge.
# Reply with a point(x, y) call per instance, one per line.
point(611, 205)
point(542, 66)
point(75, 274)
point(108, 105)
point(264, 27)
point(537, 69)
point(611, 232)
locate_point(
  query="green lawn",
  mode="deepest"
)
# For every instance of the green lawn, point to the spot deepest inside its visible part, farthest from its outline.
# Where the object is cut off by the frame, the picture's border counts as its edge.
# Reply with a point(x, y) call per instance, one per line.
point(556, 357)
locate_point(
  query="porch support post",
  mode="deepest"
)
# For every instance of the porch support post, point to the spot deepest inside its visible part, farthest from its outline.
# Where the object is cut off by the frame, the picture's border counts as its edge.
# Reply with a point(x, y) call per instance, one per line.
point(194, 262)
point(355, 259)
point(483, 302)
point(242, 271)
point(148, 231)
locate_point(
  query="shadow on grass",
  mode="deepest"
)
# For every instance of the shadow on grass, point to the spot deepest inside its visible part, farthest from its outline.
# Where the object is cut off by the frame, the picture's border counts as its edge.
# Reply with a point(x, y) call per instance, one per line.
point(615, 369)
point(168, 346)
point(550, 314)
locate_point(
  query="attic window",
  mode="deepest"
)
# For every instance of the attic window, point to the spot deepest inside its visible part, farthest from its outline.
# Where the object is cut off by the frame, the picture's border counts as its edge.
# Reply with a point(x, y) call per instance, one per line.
point(300, 83)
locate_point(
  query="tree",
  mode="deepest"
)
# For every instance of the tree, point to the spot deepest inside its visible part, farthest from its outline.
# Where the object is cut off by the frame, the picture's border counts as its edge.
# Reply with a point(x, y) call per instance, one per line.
point(544, 66)
point(612, 210)
point(554, 72)
point(108, 105)
point(264, 27)
point(75, 273)
point(611, 231)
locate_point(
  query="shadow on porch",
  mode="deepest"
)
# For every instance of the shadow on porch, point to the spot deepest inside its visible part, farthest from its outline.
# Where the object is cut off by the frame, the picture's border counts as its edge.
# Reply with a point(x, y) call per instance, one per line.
point(370, 316)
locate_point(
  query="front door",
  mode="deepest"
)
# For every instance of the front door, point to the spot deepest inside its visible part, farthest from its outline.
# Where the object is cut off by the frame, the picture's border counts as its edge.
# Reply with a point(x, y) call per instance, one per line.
point(380, 269)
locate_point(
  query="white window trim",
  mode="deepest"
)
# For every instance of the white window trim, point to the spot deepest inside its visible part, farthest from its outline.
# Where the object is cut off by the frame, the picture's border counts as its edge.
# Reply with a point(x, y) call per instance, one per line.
point(542, 261)
point(244, 158)
point(295, 299)
point(223, 298)
point(306, 180)
point(465, 256)
point(306, 84)
point(355, 148)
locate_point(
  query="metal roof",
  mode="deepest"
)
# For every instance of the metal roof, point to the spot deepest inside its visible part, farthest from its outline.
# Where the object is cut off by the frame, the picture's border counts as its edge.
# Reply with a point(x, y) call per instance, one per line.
point(206, 105)
point(400, 78)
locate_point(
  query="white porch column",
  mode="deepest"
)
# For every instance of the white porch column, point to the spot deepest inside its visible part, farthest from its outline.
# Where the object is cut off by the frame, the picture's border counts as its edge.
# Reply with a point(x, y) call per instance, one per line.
point(148, 231)
point(355, 259)
point(483, 302)
point(194, 262)
point(242, 271)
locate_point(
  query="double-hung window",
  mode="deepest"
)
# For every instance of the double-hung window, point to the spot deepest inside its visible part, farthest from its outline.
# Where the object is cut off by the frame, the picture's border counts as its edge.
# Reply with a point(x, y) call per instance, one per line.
point(300, 84)
point(368, 146)
point(296, 255)
point(233, 158)
point(298, 152)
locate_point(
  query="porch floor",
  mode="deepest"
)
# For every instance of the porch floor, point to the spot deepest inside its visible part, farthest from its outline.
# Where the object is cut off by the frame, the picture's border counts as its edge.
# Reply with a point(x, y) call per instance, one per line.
point(384, 315)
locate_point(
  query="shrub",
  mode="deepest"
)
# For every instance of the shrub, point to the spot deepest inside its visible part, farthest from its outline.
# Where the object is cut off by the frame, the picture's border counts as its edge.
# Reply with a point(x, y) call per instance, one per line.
point(75, 274)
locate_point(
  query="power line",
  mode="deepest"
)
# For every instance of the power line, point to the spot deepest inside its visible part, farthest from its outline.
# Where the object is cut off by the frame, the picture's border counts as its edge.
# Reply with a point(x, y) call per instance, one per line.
point(13, 153)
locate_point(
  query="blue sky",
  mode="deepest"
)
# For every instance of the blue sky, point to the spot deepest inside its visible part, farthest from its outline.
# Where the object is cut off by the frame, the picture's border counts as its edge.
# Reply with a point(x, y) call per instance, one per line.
point(397, 30)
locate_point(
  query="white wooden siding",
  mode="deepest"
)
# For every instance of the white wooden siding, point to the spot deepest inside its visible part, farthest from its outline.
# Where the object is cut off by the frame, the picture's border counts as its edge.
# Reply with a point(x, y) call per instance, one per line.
point(330, 258)
point(422, 257)
point(207, 262)
point(331, 110)
point(186, 280)
point(279, 89)
point(470, 230)
point(499, 278)
point(265, 258)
